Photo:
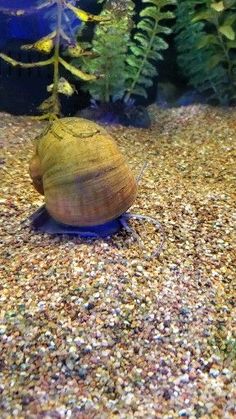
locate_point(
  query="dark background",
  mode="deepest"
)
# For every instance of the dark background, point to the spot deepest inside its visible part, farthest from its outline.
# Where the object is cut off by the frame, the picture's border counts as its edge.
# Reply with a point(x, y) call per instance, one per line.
point(22, 90)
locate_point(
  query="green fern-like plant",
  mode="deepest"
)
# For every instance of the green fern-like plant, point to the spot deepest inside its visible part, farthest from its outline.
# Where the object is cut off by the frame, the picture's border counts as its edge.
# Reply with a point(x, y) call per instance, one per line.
point(110, 47)
point(127, 65)
point(52, 43)
point(147, 45)
point(206, 45)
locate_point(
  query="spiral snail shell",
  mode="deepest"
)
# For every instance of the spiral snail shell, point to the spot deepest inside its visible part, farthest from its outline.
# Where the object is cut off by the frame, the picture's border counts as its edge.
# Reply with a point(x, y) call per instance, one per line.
point(81, 172)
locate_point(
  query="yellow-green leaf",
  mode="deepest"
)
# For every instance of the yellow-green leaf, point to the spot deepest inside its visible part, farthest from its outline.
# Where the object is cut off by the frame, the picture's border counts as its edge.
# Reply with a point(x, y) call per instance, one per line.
point(49, 116)
point(76, 72)
point(227, 31)
point(84, 16)
point(47, 104)
point(44, 44)
point(231, 44)
point(25, 65)
point(63, 87)
point(214, 61)
point(218, 6)
point(75, 51)
point(50, 106)
point(206, 15)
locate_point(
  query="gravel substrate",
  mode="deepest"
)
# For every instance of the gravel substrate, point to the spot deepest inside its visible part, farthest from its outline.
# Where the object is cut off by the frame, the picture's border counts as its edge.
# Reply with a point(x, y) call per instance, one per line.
point(98, 329)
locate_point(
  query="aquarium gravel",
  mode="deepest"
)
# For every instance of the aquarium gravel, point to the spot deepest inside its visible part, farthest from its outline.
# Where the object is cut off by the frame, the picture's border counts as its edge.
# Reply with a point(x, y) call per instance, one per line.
point(101, 329)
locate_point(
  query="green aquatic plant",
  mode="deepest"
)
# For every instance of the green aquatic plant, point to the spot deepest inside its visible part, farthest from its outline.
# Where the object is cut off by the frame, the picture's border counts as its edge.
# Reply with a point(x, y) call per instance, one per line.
point(206, 45)
point(110, 44)
point(56, 40)
point(147, 45)
point(128, 62)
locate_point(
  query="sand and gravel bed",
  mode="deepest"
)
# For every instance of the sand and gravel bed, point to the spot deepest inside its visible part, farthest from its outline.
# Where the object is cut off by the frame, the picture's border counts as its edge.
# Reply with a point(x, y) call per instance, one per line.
point(99, 329)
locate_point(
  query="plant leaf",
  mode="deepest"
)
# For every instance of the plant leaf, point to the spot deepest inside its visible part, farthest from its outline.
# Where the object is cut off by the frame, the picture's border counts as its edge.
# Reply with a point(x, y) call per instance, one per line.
point(227, 31)
point(207, 40)
point(25, 65)
point(63, 87)
point(138, 90)
point(230, 19)
point(205, 15)
point(138, 51)
point(231, 44)
point(75, 51)
point(86, 17)
point(44, 44)
point(150, 12)
point(133, 61)
point(143, 41)
point(50, 107)
point(214, 61)
point(218, 6)
point(75, 71)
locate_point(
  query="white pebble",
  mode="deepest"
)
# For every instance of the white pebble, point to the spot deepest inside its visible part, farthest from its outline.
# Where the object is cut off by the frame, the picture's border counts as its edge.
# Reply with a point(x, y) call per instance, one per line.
point(214, 373)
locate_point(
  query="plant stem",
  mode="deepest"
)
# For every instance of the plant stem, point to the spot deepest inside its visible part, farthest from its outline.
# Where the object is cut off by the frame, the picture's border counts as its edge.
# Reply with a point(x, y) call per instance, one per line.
point(225, 51)
point(135, 81)
point(107, 87)
point(56, 59)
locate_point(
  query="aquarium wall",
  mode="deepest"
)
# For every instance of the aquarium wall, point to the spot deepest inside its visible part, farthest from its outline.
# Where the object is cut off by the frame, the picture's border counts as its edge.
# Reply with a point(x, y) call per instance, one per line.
point(32, 26)
point(22, 90)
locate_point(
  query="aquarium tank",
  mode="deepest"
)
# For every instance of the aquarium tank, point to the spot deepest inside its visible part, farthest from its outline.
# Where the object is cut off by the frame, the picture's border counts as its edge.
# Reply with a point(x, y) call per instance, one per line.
point(117, 205)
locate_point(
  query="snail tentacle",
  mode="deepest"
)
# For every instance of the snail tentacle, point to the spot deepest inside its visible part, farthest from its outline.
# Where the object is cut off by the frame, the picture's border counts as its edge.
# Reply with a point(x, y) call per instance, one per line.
point(129, 215)
point(129, 229)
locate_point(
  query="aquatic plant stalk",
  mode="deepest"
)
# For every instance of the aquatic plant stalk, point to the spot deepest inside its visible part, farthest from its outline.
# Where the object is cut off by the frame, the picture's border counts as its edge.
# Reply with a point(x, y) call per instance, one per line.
point(146, 47)
point(157, 224)
point(225, 50)
point(144, 61)
point(56, 59)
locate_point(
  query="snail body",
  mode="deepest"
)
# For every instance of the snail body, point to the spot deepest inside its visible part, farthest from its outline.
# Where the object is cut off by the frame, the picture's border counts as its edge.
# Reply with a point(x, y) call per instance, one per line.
point(80, 170)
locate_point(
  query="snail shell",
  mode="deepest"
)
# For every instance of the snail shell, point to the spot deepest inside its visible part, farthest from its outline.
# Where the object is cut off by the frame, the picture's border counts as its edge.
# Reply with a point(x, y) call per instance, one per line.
point(82, 173)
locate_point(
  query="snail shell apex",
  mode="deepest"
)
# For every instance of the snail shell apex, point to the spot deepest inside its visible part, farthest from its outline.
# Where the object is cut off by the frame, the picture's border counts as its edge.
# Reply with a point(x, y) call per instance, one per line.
point(84, 176)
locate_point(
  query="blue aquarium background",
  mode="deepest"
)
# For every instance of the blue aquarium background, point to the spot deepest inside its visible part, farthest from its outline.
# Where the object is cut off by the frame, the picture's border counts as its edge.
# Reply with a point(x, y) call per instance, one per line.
point(22, 90)
point(34, 26)
point(29, 27)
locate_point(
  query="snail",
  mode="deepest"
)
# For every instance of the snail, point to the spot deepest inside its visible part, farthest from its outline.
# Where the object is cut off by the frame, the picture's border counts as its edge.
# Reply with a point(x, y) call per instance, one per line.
point(85, 179)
